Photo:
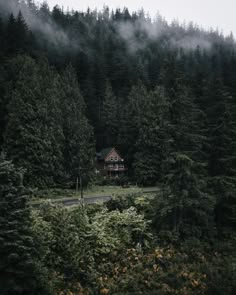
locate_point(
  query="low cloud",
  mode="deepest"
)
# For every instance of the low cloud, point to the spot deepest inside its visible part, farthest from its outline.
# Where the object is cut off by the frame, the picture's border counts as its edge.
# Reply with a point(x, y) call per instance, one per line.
point(139, 33)
point(44, 25)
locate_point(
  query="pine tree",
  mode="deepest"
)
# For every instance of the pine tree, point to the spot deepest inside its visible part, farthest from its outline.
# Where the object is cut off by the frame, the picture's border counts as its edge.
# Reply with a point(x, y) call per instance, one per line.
point(131, 121)
point(18, 37)
point(22, 33)
point(11, 39)
point(186, 202)
point(78, 135)
point(185, 207)
point(109, 117)
point(152, 142)
point(33, 135)
point(20, 267)
point(2, 103)
point(2, 37)
point(223, 162)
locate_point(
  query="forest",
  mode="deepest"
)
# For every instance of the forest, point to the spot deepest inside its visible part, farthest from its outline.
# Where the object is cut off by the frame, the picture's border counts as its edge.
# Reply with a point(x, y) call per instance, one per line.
point(164, 94)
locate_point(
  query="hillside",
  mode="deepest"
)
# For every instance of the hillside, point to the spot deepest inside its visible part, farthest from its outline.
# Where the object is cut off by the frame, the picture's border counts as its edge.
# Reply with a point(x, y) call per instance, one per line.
point(164, 95)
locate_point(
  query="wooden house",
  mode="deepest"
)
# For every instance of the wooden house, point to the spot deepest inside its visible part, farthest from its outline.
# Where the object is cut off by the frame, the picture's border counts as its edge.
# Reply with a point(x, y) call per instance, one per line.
point(110, 162)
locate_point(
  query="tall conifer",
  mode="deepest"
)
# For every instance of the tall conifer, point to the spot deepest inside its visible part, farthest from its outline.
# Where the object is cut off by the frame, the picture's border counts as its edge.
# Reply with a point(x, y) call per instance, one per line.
point(20, 267)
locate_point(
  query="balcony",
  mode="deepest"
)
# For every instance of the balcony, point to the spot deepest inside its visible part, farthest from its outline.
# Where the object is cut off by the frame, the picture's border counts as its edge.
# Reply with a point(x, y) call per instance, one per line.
point(115, 167)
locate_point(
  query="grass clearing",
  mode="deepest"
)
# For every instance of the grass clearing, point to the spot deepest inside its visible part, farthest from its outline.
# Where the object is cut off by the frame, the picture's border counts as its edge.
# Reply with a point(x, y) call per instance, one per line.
point(59, 195)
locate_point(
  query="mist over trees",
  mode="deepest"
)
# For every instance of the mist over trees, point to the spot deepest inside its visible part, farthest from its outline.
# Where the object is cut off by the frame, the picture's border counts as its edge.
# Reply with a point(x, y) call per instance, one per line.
point(163, 94)
point(113, 54)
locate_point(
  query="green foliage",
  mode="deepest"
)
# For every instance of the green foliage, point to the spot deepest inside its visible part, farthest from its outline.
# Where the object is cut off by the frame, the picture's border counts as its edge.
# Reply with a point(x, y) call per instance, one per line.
point(68, 242)
point(33, 135)
point(118, 230)
point(20, 266)
point(152, 143)
point(185, 207)
point(121, 202)
point(47, 132)
point(18, 39)
point(78, 147)
point(169, 108)
point(131, 120)
point(110, 117)
point(222, 160)
point(169, 270)
point(78, 247)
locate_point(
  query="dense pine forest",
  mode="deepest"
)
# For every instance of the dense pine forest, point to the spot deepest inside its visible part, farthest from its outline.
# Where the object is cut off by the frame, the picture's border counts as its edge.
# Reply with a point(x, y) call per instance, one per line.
point(163, 94)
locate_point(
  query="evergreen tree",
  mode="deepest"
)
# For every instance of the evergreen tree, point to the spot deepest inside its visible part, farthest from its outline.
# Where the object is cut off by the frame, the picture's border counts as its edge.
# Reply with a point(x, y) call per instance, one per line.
point(20, 267)
point(152, 143)
point(18, 37)
point(33, 135)
point(223, 163)
point(78, 135)
point(110, 118)
point(2, 103)
point(186, 201)
point(11, 38)
point(2, 38)
point(22, 33)
point(131, 121)
point(185, 207)
point(68, 241)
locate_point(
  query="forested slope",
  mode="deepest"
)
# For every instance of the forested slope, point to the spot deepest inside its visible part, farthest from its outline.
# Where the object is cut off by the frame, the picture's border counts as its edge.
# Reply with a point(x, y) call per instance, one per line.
point(137, 76)
point(164, 94)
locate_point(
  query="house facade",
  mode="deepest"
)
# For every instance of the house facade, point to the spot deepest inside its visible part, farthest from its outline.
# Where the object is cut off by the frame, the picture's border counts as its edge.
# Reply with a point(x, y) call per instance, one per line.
point(110, 162)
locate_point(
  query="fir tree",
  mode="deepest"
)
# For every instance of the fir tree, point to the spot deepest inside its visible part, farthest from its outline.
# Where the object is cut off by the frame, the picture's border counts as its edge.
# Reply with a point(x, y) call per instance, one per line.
point(78, 135)
point(223, 163)
point(20, 267)
point(131, 121)
point(18, 37)
point(110, 118)
point(33, 135)
point(2, 37)
point(185, 207)
point(152, 142)
point(11, 38)
point(22, 33)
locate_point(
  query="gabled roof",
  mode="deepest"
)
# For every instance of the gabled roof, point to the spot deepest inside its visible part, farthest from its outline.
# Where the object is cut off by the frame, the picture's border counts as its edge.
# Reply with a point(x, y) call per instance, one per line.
point(105, 152)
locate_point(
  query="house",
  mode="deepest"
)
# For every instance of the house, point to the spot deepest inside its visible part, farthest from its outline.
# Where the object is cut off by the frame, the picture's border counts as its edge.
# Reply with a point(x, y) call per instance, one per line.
point(109, 162)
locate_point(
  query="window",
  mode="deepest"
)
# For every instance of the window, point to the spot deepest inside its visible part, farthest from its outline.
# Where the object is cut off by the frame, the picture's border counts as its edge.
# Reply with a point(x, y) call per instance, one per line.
point(116, 158)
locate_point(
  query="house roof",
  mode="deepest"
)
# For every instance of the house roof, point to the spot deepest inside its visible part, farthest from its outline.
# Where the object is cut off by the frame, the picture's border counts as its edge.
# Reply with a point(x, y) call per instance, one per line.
point(105, 152)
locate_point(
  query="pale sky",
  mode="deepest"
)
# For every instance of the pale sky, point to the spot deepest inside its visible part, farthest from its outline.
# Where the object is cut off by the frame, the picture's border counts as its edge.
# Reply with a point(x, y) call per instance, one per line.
point(219, 14)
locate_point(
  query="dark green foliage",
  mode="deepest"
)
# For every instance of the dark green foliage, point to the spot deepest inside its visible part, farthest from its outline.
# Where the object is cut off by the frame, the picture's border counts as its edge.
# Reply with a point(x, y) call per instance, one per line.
point(2, 33)
point(20, 268)
point(185, 207)
point(223, 162)
point(131, 121)
point(78, 134)
point(10, 32)
point(2, 104)
point(18, 39)
point(68, 246)
point(113, 251)
point(153, 139)
point(33, 135)
point(68, 80)
point(79, 247)
point(47, 131)
point(110, 117)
